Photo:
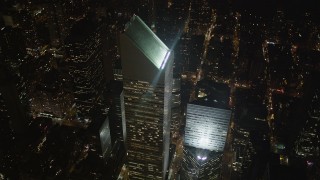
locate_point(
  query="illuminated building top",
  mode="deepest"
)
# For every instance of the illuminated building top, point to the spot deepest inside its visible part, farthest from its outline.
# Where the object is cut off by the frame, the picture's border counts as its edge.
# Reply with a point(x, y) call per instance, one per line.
point(148, 43)
point(206, 127)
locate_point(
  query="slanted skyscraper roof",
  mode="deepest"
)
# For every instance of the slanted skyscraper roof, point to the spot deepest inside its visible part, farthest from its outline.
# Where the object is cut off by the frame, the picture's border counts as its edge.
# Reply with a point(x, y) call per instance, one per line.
point(148, 43)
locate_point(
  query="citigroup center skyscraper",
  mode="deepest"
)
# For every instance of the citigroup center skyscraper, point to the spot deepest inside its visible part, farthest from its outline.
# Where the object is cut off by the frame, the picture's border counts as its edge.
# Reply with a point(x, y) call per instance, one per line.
point(147, 76)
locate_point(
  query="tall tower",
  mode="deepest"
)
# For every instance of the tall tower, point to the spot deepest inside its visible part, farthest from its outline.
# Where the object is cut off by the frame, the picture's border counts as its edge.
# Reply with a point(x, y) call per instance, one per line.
point(84, 54)
point(14, 104)
point(206, 126)
point(147, 77)
point(206, 130)
point(117, 123)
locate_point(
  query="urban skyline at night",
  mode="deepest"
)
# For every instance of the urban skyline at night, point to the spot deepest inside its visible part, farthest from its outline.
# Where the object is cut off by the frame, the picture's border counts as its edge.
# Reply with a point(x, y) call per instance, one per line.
point(160, 89)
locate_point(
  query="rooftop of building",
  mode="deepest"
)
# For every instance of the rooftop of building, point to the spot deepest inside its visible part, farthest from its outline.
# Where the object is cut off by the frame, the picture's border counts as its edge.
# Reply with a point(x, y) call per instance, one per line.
point(250, 111)
point(217, 94)
point(147, 41)
point(295, 169)
point(211, 101)
point(80, 31)
point(202, 156)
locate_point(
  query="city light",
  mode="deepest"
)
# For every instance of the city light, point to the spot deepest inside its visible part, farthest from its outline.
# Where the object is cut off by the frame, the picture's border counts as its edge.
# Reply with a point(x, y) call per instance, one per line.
point(165, 59)
point(189, 89)
point(202, 158)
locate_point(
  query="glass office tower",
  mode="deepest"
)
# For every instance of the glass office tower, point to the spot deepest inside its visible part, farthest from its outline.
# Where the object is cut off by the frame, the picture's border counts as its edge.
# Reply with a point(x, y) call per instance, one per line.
point(147, 80)
point(207, 127)
point(207, 124)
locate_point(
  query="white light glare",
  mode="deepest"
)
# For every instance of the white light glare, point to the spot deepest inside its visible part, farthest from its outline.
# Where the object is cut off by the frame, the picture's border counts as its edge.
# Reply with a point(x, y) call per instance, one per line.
point(165, 59)
point(201, 158)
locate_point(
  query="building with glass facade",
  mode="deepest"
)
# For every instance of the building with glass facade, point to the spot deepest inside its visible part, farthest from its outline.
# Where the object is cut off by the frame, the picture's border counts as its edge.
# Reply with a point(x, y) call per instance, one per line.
point(206, 127)
point(147, 86)
point(117, 122)
point(84, 55)
point(207, 123)
point(105, 138)
point(200, 164)
point(176, 115)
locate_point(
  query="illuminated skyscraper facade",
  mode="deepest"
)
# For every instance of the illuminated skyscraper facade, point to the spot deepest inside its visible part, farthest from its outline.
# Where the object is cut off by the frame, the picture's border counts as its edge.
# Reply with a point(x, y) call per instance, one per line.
point(206, 127)
point(147, 81)
point(205, 136)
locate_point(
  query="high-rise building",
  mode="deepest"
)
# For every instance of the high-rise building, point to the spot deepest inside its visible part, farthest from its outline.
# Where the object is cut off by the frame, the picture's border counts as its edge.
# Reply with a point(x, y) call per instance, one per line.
point(84, 55)
point(147, 81)
point(112, 148)
point(116, 113)
point(199, 21)
point(308, 143)
point(176, 115)
point(105, 138)
point(13, 110)
point(207, 124)
point(206, 127)
point(201, 164)
point(14, 102)
point(116, 160)
point(249, 120)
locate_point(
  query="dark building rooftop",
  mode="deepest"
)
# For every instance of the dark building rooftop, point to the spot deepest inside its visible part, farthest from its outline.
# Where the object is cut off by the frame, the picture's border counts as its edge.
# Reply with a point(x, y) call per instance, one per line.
point(277, 171)
point(81, 31)
point(250, 111)
point(218, 94)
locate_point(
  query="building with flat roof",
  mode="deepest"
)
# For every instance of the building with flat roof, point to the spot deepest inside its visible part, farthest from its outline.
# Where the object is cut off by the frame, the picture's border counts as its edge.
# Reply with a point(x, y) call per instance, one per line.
point(147, 87)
